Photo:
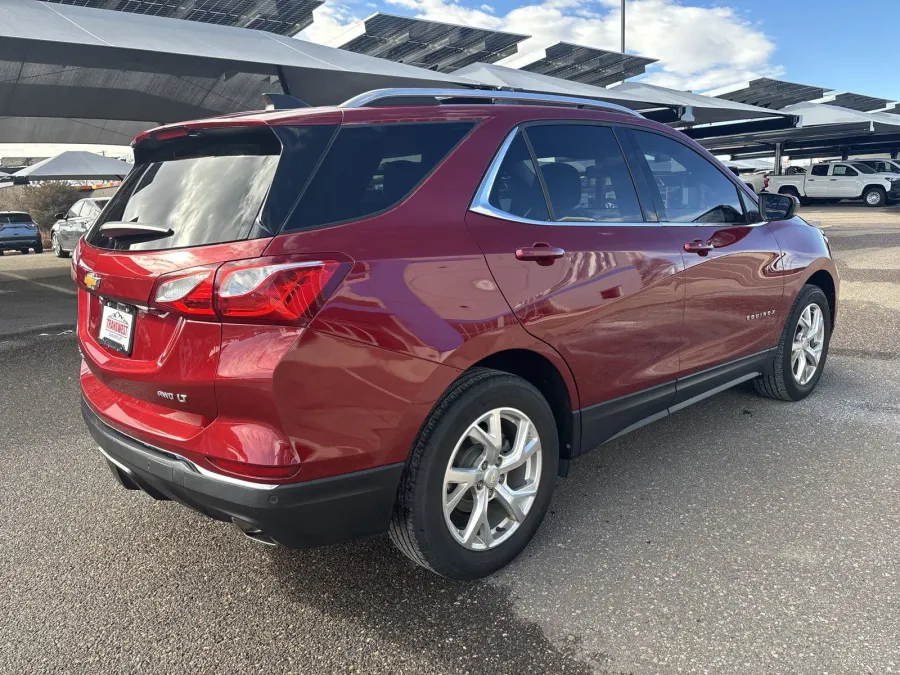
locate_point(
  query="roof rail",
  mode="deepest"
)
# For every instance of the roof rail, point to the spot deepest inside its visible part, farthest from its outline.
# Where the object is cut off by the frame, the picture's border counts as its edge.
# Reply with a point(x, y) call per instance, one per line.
point(426, 96)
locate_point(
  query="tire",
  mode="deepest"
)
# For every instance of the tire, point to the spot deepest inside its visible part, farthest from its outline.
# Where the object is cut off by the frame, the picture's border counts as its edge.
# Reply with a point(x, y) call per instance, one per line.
point(25, 251)
point(39, 247)
point(419, 527)
point(779, 381)
point(57, 249)
point(875, 197)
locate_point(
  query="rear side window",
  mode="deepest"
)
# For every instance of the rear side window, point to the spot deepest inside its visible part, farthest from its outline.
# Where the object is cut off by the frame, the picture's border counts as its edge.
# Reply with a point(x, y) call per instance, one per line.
point(820, 170)
point(691, 188)
point(585, 173)
point(369, 168)
point(516, 189)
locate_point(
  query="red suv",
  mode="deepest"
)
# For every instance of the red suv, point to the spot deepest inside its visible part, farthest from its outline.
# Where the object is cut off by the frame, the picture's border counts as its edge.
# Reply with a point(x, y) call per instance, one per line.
point(409, 313)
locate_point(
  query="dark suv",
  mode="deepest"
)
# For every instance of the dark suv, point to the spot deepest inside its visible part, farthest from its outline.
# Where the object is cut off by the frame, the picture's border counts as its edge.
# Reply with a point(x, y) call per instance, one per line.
point(18, 231)
point(411, 312)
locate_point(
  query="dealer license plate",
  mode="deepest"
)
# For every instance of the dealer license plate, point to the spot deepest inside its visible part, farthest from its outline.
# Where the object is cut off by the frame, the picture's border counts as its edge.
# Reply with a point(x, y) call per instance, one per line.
point(117, 326)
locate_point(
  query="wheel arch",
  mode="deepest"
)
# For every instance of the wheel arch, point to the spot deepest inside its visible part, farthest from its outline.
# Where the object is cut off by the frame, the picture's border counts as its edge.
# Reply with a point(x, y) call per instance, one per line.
point(823, 279)
point(545, 376)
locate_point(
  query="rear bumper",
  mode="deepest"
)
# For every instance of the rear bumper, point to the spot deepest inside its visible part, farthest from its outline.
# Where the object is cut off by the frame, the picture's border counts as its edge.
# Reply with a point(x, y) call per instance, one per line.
point(299, 515)
point(18, 242)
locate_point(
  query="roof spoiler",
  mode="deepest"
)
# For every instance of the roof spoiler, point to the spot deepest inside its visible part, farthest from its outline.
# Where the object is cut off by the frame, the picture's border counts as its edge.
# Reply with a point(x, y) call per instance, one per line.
point(283, 102)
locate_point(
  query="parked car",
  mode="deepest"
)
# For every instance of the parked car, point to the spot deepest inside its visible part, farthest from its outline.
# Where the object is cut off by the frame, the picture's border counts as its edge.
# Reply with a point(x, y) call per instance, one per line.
point(71, 226)
point(18, 231)
point(881, 165)
point(834, 181)
point(756, 181)
point(330, 323)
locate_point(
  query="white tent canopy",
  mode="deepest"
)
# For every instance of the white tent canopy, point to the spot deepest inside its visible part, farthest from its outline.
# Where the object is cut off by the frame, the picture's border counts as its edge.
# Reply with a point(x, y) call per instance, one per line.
point(76, 165)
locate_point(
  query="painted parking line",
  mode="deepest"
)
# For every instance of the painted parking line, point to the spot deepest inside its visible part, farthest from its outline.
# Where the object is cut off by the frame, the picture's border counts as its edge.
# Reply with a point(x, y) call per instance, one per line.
point(19, 277)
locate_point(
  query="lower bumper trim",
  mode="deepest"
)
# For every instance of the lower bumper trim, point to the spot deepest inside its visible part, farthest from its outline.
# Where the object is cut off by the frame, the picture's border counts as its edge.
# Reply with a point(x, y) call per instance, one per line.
point(298, 515)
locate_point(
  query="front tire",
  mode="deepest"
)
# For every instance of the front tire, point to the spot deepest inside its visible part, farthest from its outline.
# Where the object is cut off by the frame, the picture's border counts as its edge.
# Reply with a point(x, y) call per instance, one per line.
point(57, 247)
point(875, 196)
point(801, 352)
point(479, 478)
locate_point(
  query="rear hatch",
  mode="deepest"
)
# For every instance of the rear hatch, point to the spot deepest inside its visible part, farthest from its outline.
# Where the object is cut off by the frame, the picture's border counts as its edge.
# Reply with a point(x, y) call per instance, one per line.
point(197, 198)
point(17, 227)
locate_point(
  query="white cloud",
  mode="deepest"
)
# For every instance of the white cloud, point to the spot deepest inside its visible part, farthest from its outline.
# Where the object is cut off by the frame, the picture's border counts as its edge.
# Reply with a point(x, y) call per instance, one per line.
point(699, 48)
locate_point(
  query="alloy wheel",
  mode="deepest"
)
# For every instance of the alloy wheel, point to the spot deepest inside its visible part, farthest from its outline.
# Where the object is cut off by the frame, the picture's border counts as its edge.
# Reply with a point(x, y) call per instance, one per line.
point(57, 249)
point(809, 340)
point(492, 479)
point(873, 198)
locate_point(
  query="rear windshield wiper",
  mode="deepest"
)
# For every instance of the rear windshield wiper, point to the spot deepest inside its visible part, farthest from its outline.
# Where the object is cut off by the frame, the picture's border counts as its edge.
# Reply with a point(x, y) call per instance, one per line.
point(133, 232)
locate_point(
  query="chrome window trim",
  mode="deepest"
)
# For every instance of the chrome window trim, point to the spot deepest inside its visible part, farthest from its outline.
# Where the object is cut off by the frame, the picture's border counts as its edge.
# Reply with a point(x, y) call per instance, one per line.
point(481, 202)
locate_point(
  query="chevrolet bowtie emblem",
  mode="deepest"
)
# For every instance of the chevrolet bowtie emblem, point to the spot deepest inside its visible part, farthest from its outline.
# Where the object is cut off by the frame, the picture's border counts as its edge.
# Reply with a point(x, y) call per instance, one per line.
point(92, 281)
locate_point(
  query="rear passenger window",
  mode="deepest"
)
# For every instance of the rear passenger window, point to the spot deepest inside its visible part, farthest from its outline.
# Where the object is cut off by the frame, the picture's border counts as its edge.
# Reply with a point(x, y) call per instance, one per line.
point(370, 168)
point(691, 188)
point(820, 170)
point(516, 189)
point(585, 173)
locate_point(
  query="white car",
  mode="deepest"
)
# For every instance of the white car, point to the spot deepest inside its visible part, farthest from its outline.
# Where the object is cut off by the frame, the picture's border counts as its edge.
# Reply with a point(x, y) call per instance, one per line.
point(834, 181)
point(882, 165)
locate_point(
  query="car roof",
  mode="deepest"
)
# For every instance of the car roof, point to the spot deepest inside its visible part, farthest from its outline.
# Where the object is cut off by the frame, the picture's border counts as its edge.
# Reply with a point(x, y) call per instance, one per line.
point(15, 213)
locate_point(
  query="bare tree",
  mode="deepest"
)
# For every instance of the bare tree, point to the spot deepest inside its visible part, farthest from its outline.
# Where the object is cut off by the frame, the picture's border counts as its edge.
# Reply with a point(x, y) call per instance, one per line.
point(42, 201)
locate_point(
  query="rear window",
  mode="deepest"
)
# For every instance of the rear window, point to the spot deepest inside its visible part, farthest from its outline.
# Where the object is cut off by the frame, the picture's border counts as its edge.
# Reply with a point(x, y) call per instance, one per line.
point(370, 168)
point(14, 218)
point(213, 188)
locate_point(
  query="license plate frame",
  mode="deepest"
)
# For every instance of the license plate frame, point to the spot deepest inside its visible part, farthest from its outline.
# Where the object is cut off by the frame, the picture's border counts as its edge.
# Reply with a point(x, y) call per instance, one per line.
point(127, 315)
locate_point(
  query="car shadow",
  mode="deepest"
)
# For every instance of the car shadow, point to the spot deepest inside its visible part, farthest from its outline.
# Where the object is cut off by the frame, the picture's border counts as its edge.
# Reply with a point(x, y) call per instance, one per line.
point(371, 584)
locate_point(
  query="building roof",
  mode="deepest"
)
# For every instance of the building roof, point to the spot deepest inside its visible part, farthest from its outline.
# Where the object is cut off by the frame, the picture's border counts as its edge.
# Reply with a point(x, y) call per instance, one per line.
point(436, 46)
point(587, 65)
point(768, 93)
point(285, 17)
point(74, 62)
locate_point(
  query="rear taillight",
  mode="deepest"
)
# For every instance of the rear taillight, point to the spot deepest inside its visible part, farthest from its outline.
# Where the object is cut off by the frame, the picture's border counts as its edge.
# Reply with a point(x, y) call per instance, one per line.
point(765, 183)
point(274, 290)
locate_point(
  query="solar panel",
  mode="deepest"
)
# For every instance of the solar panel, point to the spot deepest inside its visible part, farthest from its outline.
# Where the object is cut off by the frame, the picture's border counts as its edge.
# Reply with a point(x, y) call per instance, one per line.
point(285, 17)
point(857, 101)
point(428, 44)
point(596, 67)
point(768, 93)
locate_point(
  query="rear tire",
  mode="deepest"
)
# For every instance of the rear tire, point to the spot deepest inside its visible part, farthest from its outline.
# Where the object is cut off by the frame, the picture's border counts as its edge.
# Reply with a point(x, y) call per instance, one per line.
point(39, 247)
point(780, 381)
point(875, 196)
point(24, 251)
point(428, 491)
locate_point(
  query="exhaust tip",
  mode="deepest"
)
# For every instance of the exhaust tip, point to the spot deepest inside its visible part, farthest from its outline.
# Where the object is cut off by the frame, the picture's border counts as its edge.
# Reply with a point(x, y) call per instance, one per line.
point(252, 532)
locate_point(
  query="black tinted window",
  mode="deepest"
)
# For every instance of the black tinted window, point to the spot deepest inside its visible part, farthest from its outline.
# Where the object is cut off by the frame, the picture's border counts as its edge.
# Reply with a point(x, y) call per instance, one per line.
point(691, 188)
point(585, 173)
point(370, 168)
point(862, 168)
point(516, 189)
point(15, 218)
point(820, 170)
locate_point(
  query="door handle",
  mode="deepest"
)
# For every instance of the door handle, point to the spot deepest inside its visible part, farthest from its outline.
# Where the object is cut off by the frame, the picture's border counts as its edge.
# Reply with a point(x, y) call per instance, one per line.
point(832, 179)
point(541, 253)
point(699, 247)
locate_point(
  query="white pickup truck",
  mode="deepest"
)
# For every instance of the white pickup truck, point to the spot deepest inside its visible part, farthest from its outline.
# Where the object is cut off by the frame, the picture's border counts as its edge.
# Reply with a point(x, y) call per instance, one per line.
point(834, 181)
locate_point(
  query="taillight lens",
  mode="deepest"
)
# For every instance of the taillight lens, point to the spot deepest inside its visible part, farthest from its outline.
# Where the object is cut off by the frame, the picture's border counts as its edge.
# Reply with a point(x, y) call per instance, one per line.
point(265, 290)
point(188, 292)
point(272, 290)
point(258, 471)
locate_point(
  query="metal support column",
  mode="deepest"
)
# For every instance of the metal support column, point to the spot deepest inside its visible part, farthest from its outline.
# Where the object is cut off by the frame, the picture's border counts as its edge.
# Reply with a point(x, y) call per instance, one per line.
point(895, 154)
point(778, 159)
point(845, 154)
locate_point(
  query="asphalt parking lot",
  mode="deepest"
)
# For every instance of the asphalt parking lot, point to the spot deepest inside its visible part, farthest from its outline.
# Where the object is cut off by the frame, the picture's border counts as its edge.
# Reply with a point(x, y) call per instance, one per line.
point(739, 536)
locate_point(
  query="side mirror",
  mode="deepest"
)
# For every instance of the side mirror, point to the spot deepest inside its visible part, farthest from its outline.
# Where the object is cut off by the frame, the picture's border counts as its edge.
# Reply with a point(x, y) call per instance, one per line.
point(777, 207)
point(60, 216)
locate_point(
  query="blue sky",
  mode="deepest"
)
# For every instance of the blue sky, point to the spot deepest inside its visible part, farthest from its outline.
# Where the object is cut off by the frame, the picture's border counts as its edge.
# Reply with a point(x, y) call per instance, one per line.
point(702, 44)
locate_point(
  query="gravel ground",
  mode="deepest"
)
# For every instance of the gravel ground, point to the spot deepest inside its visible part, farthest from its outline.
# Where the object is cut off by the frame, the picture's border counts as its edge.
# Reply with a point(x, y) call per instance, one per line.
point(739, 536)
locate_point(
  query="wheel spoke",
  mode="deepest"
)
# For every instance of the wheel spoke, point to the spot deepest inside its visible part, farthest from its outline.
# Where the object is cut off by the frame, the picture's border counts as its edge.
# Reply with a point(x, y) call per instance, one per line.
point(812, 357)
point(514, 500)
point(477, 519)
point(805, 322)
point(462, 476)
point(801, 367)
point(455, 497)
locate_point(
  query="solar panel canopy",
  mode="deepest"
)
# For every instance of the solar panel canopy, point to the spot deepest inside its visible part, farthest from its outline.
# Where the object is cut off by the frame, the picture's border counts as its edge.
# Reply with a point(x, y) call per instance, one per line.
point(427, 44)
point(587, 65)
point(768, 93)
point(859, 102)
point(285, 17)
